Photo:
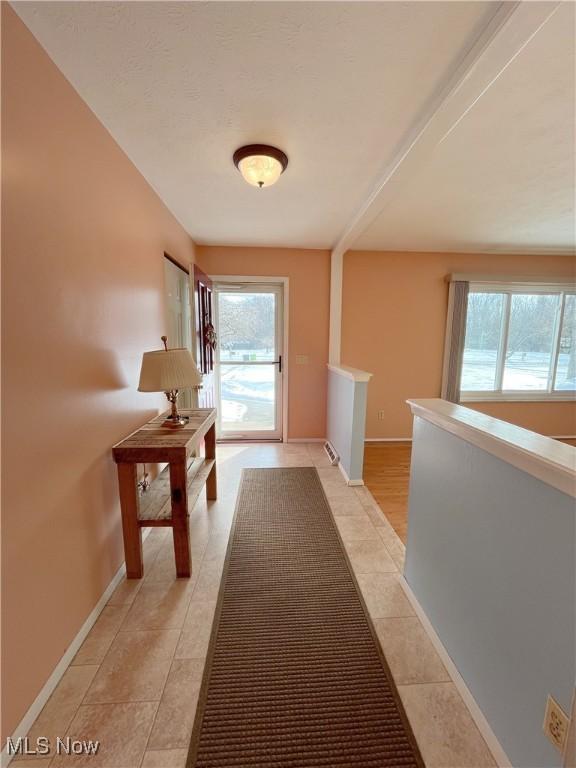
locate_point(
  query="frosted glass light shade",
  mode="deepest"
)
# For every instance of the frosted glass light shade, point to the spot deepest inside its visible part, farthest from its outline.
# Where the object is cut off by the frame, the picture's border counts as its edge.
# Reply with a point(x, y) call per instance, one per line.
point(163, 370)
point(260, 164)
point(260, 171)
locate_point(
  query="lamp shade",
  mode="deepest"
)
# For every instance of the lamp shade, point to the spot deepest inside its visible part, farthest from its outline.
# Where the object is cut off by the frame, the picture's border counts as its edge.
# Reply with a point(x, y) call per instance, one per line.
point(163, 370)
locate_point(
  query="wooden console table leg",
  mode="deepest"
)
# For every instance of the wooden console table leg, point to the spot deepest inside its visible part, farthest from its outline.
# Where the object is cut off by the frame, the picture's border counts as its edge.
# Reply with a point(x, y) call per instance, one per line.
point(210, 446)
point(180, 532)
point(131, 530)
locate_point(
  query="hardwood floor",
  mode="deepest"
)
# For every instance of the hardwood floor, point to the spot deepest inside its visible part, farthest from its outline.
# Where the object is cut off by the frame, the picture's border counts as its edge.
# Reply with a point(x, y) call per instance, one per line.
point(386, 474)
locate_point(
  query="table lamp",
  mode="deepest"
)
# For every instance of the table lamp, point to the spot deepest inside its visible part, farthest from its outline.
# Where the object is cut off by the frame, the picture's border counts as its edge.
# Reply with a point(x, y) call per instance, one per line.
point(169, 370)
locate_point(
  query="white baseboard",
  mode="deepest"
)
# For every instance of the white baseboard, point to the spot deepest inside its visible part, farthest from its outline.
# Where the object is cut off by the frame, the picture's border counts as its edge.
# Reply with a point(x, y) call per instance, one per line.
point(345, 475)
point(306, 440)
point(388, 440)
point(37, 705)
point(476, 713)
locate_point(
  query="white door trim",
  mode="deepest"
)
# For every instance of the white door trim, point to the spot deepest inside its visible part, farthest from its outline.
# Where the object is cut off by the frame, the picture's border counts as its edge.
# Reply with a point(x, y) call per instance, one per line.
point(285, 283)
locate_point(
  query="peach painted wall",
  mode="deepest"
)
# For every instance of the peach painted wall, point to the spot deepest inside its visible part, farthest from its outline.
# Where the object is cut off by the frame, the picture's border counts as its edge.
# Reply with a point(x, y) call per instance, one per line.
point(83, 237)
point(309, 273)
point(393, 325)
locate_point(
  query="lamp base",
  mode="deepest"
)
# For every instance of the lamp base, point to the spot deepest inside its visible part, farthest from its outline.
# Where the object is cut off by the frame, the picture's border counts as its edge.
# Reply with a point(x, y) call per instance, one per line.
point(179, 421)
point(175, 419)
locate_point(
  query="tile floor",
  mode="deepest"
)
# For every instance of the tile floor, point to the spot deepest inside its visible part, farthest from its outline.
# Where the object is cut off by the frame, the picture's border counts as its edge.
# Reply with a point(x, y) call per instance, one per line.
point(134, 683)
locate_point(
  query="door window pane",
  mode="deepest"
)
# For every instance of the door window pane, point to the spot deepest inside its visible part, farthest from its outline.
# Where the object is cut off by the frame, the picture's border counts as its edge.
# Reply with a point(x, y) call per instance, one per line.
point(566, 368)
point(530, 341)
point(247, 396)
point(482, 343)
point(246, 327)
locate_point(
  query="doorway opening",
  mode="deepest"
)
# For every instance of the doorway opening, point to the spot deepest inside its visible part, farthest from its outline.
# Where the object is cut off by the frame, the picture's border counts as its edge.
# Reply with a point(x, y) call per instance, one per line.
point(250, 358)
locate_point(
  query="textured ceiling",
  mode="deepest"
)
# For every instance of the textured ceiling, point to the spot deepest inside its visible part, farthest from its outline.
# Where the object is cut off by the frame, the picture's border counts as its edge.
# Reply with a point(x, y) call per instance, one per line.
point(504, 178)
point(338, 86)
point(181, 85)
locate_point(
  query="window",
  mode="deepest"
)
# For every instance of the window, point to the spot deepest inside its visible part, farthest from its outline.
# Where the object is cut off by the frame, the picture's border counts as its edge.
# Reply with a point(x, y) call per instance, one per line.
point(520, 343)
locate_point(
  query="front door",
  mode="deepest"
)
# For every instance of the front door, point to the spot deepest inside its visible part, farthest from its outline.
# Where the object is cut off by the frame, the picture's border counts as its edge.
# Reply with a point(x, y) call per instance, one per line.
point(249, 360)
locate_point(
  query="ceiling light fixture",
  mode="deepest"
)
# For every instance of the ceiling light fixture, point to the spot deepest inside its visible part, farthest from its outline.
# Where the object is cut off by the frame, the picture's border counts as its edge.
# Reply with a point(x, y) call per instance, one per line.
point(259, 164)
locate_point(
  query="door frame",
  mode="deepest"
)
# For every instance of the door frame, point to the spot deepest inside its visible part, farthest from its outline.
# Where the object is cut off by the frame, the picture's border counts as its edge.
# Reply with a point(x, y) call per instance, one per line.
point(285, 283)
point(199, 280)
point(185, 334)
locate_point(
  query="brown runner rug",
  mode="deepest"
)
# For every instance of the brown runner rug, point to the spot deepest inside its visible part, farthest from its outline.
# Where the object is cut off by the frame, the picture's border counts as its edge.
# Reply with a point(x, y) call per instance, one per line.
point(295, 677)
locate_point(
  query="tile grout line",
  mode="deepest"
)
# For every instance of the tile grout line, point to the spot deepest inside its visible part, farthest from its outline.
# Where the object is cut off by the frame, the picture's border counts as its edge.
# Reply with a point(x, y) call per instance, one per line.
point(54, 680)
point(176, 646)
point(476, 714)
point(214, 529)
point(119, 630)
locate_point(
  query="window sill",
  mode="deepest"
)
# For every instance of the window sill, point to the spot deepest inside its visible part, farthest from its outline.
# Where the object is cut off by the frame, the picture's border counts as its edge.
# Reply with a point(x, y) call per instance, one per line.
point(518, 397)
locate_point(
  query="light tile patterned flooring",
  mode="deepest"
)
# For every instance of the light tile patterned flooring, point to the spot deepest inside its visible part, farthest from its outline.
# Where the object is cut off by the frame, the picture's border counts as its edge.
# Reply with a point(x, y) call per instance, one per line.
point(134, 683)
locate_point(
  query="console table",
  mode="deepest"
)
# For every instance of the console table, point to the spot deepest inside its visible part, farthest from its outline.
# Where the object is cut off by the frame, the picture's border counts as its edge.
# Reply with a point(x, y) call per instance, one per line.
point(177, 488)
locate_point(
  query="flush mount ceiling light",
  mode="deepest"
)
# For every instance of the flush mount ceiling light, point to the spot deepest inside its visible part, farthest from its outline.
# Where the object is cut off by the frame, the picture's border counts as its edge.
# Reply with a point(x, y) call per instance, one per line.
point(259, 164)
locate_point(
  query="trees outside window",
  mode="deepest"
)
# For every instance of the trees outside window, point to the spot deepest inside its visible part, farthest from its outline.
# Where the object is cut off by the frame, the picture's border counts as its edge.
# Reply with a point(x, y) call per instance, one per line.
point(519, 341)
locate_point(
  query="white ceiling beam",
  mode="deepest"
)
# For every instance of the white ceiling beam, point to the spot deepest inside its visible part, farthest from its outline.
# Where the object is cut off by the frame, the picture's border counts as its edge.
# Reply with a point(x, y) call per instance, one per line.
point(510, 29)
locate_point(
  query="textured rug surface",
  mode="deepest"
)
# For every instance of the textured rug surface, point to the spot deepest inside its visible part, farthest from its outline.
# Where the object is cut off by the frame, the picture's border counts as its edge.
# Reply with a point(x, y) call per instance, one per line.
point(294, 676)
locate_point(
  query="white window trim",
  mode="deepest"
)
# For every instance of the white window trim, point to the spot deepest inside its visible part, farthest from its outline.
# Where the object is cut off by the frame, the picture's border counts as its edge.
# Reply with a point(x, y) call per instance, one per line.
point(521, 285)
point(517, 396)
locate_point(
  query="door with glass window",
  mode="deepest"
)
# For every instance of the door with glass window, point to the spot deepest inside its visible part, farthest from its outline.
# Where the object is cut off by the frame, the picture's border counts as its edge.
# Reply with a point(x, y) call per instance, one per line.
point(249, 361)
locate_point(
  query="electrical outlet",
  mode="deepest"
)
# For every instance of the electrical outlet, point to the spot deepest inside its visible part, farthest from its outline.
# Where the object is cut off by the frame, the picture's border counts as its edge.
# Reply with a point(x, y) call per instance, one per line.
point(556, 724)
point(381, 415)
